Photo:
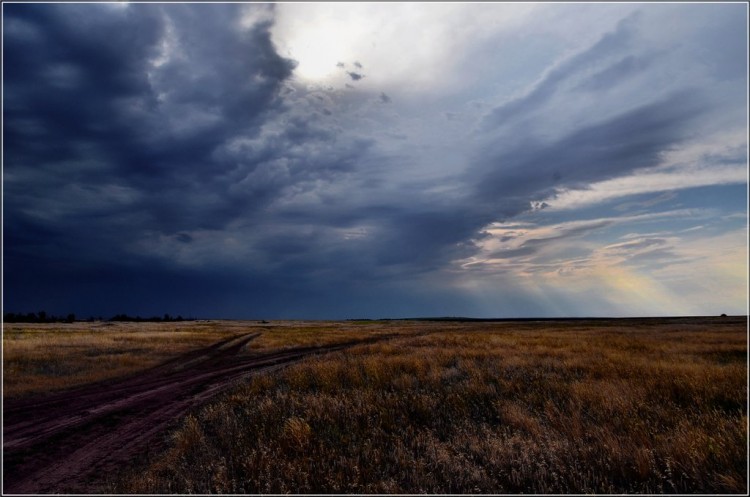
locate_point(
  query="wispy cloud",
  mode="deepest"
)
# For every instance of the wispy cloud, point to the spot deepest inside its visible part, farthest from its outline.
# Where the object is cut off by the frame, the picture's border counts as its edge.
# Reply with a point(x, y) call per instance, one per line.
point(520, 241)
point(646, 182)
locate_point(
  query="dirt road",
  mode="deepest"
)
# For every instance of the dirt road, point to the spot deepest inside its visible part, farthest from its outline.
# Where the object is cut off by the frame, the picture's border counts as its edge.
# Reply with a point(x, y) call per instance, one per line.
point(72, 441)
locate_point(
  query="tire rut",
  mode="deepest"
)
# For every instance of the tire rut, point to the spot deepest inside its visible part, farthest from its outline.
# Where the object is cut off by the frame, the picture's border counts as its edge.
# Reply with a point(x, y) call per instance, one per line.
point(72, 440)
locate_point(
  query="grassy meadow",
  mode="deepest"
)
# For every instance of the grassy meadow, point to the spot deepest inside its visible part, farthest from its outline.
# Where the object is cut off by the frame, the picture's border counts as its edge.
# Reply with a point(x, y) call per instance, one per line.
point(639, 406)
point(44, 357)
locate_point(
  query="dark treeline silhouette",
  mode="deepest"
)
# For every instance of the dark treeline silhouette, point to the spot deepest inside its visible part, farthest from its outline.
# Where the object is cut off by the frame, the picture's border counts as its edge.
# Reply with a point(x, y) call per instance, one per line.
point(37, 317)
point(43, 317)
point(156, 319)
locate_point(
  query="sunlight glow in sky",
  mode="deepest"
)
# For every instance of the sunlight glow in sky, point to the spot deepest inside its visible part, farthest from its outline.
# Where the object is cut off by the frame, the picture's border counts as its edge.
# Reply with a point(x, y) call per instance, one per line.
point(375, 159)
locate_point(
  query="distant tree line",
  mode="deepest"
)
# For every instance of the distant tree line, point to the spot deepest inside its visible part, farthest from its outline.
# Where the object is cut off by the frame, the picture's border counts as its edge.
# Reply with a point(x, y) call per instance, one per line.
point(155, 319)
point(43, 317)
point(37, 317)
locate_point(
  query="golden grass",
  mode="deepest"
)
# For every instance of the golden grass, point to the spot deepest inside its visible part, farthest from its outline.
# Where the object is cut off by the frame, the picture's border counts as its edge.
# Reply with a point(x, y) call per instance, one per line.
point(39, 358)
point(653, 407)
point(288, 334)
point(43, 357)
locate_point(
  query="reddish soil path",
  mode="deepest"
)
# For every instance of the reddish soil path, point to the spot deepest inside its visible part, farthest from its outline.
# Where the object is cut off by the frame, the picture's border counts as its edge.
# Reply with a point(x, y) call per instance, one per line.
point(72, 441)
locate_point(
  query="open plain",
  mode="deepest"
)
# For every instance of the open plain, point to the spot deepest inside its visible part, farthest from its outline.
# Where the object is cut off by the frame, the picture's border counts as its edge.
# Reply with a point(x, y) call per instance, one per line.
point(620, 405)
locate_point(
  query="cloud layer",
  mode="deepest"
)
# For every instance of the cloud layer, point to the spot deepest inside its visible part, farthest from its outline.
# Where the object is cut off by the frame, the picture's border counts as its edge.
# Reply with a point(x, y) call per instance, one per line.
point(177, 158)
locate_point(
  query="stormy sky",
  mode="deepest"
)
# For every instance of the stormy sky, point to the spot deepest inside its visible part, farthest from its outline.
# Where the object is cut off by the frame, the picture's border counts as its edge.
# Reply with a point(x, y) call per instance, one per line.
point(375, 160)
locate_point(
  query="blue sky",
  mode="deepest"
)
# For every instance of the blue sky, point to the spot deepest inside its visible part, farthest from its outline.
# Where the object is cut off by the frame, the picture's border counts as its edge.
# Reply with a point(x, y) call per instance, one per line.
point(375, 160)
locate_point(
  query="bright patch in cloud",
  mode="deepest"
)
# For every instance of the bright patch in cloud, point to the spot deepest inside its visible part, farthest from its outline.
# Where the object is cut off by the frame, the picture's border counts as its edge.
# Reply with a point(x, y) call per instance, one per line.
point(650, 182)
point(395, 44)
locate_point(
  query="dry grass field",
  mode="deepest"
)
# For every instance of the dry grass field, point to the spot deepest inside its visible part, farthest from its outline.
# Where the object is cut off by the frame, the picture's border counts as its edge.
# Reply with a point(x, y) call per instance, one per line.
point(619, 406)
point(280, 335)
point(44, 357)
point(649, 406)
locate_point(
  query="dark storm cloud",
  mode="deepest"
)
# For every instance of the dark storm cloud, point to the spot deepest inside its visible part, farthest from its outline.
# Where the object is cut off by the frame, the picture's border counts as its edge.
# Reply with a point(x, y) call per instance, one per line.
point(184, 237)
point(426, 240)
point(510, 178)
point(355, 75)
point(152, 128)
point(63, 83)
point(181, 167)
point(521, 166)
point(112, 122)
